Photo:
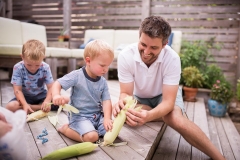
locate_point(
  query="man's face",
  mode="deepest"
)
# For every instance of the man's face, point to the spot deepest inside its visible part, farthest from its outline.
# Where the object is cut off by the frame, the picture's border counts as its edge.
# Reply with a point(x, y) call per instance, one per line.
point(149, 48)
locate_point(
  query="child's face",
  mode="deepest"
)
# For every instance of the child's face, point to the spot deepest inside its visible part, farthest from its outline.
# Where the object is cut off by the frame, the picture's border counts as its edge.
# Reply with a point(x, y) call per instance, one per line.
point(32, 66)
point(98, 66)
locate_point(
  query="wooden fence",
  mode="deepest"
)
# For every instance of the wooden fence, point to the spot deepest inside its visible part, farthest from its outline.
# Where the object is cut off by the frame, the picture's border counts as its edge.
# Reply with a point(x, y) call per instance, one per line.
point(198, 20)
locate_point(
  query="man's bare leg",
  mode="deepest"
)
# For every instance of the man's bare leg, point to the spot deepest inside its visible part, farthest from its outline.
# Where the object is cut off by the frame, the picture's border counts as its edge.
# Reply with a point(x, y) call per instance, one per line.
point(192, 133)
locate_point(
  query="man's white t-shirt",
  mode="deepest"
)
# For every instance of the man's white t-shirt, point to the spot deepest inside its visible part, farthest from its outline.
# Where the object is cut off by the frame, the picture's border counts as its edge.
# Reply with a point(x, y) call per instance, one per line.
point(148, 81)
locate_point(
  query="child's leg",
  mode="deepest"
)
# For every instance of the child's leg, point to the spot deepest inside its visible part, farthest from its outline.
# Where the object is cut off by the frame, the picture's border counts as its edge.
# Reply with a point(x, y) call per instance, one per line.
point(13, 106)
point(91, 136)
point(68, 132)
point(35, 107)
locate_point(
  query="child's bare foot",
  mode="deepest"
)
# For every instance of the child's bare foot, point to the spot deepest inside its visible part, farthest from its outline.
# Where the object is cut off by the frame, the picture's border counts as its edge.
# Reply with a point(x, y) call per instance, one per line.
point(63, 128)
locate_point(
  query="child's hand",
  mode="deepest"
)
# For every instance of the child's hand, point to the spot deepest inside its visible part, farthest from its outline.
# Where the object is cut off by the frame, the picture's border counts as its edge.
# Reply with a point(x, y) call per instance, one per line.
point(59, 100)
point(46, 106)
point(27, 109)
point(108, 124)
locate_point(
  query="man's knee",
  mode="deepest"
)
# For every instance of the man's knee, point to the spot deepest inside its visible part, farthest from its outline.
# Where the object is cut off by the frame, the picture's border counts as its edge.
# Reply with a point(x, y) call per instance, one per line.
point(175, 118)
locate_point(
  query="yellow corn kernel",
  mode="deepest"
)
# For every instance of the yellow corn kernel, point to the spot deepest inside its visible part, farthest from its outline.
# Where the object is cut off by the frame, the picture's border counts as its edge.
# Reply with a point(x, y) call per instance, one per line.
point(118, 122)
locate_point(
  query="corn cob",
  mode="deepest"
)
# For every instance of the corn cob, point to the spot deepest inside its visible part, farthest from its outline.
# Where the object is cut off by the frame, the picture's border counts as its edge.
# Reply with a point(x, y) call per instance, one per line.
point(118, 122)
point(36, 115)
point(71, 151)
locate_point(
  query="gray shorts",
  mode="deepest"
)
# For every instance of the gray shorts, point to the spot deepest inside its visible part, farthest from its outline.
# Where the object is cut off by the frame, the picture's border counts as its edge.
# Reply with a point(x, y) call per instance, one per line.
point(153, 102)
point(83, 125)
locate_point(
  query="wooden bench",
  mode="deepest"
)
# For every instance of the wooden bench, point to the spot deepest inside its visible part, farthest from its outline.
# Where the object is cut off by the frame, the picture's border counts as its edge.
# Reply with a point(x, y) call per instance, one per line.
point(153, 140)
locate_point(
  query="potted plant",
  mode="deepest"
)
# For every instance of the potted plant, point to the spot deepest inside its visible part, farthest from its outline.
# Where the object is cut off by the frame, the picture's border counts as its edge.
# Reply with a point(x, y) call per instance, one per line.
point(221, 95)
point(63, 36)
point(192, 80)
point(197, 53)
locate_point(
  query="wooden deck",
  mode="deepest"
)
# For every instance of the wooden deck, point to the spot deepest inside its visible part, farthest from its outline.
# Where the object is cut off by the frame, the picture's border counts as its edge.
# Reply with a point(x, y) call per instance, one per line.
point(153, 140)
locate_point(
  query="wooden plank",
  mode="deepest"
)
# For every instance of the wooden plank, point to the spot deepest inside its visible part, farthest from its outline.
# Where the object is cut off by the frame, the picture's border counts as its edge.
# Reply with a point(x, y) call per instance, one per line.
point(31, 148)
point(122, 152)
point(54, 140)
point(226, 148)
point(167, 148)
point(200, 16)
point(145, 9)
point(144, 131)
point(67, 12)
point(139, 144)
point(206, 37)
point(204, 23)
point(201, 121)
point(184, 148)
point(7, 92)
point(213, 132)
point(195, 2)
point(232, 135)
point(195, 9)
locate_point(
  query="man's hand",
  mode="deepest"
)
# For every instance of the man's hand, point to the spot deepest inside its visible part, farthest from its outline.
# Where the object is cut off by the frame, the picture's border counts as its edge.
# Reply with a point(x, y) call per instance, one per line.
point(136, 118)
point(117, 107)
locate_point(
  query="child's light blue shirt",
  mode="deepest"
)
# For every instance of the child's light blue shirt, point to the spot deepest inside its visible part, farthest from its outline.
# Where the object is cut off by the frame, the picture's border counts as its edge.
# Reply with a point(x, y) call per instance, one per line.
point(87, 94)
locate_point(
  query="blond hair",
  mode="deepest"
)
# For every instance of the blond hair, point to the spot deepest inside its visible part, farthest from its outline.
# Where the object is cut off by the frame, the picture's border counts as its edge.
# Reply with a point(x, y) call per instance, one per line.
point(95, 47)
point(33, 50)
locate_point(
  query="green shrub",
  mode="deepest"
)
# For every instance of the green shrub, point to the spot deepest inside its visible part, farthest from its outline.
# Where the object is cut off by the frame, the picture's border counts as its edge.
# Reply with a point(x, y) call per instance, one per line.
point(211, 75)
point(192, 77)
point(238, 89)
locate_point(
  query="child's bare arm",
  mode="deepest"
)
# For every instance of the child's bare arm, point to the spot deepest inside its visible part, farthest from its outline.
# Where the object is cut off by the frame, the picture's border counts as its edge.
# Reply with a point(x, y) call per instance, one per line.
point(107, 111)
point(45, 105)
point(57, 98)
point(21, 99)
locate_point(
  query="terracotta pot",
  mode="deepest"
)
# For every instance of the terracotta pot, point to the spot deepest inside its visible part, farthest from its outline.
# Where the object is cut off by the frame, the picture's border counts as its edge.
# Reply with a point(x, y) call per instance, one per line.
point(190, 94)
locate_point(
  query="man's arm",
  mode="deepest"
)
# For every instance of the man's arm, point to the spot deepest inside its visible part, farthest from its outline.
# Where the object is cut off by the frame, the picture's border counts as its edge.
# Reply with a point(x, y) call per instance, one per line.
point(169, 94)
point(166, 106)
point(126, 89)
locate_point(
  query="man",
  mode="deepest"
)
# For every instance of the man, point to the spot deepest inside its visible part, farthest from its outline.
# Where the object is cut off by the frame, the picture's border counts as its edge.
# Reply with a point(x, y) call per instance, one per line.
point(150, 71)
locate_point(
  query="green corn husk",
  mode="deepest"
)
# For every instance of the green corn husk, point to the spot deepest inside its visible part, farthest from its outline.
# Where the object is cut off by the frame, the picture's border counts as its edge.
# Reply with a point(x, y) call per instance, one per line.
point(71, 151)
point(69, 108)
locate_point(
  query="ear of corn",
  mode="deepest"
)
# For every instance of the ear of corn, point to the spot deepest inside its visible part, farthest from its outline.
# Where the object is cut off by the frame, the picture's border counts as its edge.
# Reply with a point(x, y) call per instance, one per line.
point(36, 115)
point(118, 122)
point(71, 151)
